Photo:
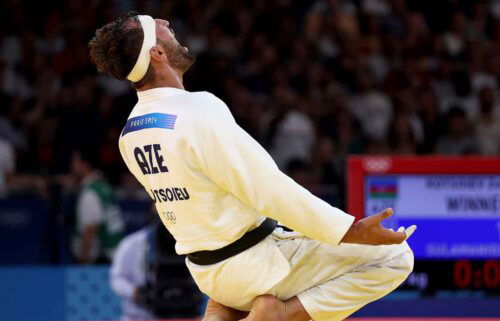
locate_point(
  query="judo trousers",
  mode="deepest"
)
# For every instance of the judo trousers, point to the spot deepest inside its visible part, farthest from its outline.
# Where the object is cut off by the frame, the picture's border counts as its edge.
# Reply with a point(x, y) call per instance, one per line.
point(331, 282)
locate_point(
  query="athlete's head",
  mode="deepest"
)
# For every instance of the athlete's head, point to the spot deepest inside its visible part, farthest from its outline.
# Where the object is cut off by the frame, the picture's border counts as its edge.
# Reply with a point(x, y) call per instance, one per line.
point(116, 48)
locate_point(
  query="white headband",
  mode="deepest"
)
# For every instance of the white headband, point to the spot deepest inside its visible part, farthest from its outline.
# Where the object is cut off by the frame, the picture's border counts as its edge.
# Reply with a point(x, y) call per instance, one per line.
point(141, 66)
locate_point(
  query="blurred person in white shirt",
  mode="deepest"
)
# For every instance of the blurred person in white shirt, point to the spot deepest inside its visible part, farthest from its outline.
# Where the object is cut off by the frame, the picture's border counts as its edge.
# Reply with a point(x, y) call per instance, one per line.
point(371, 107)
point(128, 275)
point(99, 225)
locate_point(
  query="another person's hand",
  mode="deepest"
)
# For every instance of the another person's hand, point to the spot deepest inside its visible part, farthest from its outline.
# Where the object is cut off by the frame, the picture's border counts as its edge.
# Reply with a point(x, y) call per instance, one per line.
point(370, 231)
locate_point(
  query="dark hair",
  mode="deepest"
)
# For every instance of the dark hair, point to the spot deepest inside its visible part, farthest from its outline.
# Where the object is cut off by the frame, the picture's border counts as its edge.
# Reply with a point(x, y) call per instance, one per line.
point(88, 154)
point(295, 165)
point(116, 46)
point(456, 112)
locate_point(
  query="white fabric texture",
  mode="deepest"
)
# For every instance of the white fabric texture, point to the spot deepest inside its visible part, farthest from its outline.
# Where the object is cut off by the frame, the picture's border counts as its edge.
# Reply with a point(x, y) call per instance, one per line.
point(232, 181)
point(233, 184)
point(331, 282)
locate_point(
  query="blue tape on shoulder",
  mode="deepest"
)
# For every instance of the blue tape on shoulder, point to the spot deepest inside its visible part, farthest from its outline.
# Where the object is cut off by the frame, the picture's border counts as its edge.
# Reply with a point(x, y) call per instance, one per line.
point(153, 120)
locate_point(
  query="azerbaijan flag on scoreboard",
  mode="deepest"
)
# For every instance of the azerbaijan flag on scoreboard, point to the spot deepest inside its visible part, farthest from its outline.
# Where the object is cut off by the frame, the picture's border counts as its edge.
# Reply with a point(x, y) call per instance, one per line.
point(383, 187)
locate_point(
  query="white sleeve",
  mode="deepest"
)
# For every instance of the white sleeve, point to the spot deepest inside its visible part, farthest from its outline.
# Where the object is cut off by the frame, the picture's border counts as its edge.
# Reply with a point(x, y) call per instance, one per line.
point(89, 208)
point(120, 275)
point(238, 164)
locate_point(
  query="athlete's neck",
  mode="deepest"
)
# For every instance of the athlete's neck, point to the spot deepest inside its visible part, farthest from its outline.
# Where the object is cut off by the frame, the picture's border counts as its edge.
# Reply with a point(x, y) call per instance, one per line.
point(166, 78)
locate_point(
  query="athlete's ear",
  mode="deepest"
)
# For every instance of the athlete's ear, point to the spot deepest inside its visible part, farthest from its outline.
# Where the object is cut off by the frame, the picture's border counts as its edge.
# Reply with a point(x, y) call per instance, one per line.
point(158, 54)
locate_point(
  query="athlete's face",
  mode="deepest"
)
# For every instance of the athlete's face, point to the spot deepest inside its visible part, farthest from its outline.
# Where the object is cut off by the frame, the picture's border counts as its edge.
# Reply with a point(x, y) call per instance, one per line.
point(178, 56)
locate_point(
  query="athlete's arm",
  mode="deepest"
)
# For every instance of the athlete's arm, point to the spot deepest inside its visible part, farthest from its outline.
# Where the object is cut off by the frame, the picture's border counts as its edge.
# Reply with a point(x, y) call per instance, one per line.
point(238, 164)
point(370, 231)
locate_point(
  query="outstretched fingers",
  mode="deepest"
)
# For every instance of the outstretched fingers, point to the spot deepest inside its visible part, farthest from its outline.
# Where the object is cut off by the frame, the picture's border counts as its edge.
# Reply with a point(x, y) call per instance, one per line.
point(409, 231)
point(391, 237)
point(384, 214)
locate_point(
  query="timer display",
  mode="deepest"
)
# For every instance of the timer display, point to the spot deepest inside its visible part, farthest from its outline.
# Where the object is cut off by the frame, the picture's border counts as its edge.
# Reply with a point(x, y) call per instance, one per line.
point(469, 274)
point(453, 275)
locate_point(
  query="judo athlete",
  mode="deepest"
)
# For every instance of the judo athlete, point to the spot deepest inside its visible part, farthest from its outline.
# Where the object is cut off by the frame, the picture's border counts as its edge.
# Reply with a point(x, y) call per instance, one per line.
point(220, 194)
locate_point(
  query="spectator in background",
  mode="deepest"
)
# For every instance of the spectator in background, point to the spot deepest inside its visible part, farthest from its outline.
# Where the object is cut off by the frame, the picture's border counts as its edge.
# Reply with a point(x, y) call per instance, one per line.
point(431, 119)
point(99, 225)
point(7, 165)
point(324, 162)
point(277, 62)
point(458, 139)
point(294, 136)
point(300, 172)
point(326, 169)
point(128, 275)
point(487, 124)
point(401, 135)
point(371, 107)
point(170, 289)
point(463, 96)
point(152, 279)
point(12, 182)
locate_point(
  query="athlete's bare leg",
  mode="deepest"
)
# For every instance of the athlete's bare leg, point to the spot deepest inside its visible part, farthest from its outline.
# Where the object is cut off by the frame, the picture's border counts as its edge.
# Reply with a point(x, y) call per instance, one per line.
point(264, 308)
point(269, 308)
point(218, 312)
point(295, 311)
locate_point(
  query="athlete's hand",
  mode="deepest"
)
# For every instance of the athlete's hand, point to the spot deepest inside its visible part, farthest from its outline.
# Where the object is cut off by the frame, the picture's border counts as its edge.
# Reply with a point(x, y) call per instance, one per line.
point(370, 231)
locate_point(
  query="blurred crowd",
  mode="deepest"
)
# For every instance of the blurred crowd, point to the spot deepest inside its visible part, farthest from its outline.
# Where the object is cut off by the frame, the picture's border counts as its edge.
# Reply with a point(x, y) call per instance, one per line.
point(313, 81)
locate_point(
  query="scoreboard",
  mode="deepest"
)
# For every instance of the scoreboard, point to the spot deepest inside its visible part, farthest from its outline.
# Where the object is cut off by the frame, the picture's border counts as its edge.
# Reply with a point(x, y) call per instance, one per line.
point(455, 202)
point(457, 215)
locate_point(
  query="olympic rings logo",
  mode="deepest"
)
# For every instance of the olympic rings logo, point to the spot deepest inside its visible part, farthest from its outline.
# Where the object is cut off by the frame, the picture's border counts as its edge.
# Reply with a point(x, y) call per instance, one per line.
point(377, 164)
point(170, 216)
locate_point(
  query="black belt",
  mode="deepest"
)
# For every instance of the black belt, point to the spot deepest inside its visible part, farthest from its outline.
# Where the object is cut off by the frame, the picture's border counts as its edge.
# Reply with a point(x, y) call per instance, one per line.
point(248, 240)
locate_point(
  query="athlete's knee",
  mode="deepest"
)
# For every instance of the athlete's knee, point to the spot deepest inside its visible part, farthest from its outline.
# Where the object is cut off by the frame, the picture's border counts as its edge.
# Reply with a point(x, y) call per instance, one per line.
point(267, 308)
point(269, 303)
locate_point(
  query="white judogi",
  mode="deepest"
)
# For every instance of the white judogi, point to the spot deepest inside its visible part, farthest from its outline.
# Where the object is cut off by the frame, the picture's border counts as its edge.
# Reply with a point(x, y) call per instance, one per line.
point(212, 183)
